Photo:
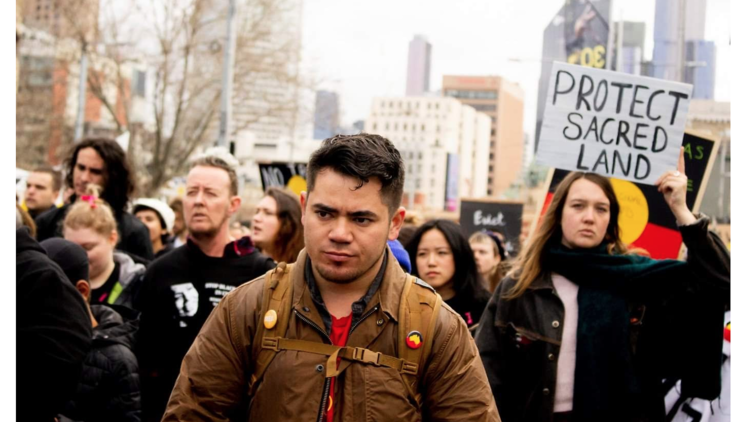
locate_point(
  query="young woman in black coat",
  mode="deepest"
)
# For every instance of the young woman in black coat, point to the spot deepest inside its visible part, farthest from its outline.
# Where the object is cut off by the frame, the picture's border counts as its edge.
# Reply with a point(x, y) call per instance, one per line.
point(441, 256)
point(583, 329)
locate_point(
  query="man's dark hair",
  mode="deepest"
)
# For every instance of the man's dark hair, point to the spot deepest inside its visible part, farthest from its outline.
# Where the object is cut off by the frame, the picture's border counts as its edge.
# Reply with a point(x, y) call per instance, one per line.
point(362, 156)
point(118, 179)
point(56, 177)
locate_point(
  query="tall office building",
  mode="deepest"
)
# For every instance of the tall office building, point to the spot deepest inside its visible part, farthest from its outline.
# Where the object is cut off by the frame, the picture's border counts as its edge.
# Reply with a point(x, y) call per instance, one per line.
point(63, 19)
point(574, 36)
point(326, 114)
point(443, 143)
point(633, 40)
point(669, 28)
point(502, 100)
point(553, 49)
point(418, 71)
point(701, 74)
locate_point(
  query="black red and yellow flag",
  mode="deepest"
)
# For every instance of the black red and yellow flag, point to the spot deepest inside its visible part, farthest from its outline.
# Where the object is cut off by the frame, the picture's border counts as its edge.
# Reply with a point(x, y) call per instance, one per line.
point(645, 219)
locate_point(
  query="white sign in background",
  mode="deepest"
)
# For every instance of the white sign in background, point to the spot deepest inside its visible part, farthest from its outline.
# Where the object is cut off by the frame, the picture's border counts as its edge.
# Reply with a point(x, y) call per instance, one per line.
point(614, 124)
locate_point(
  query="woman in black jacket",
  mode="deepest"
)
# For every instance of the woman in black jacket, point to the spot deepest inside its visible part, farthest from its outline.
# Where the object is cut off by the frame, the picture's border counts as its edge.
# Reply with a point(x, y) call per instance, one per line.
point(441, 256)
point(584, 329)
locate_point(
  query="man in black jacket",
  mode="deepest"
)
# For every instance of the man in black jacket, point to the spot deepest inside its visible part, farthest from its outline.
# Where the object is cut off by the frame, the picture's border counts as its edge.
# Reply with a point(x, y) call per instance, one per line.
point(53, 333)
point(109, 388)
point(181, 288)
point(102, 162)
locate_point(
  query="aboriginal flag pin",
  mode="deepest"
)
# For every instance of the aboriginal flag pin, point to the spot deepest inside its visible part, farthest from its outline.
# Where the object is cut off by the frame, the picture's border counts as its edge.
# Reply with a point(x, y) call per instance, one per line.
point(270, 319)
point(414, 340)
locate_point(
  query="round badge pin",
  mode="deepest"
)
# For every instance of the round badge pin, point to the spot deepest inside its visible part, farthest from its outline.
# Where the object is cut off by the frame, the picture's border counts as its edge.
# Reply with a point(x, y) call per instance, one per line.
point(414, 340)
point(270, 319)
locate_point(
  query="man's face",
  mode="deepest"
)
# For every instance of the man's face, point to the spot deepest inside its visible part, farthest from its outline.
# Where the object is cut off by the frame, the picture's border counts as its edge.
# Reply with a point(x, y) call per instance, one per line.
point(484, 255)
point(39, 194)
point(346, 229)
point(89, 168)
point(208, 203)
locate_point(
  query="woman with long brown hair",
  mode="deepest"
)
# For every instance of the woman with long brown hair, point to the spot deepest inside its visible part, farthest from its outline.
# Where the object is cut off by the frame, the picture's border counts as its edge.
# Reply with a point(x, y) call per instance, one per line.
point(583, 329)
point(277, 226)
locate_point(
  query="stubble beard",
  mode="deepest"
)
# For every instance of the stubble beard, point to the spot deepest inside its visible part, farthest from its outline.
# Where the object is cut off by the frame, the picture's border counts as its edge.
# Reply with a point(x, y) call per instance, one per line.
point(347, 277)
point(208, 233)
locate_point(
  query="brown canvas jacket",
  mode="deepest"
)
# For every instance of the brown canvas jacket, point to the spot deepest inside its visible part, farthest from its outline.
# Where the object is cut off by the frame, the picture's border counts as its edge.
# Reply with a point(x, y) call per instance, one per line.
point(215, 374)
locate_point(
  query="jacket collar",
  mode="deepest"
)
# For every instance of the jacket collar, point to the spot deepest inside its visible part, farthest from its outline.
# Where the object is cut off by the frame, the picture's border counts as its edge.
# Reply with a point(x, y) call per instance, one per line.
point(544, 281)
point(129, 269)
point(24, 242)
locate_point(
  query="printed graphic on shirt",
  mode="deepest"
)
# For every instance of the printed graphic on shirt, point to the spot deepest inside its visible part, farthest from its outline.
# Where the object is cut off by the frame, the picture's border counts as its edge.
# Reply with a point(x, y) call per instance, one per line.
point(185, 300)
point(217, 291)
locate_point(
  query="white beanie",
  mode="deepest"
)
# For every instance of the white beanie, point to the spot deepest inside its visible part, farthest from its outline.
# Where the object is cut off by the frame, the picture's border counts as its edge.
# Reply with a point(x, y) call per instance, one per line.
point(160, 207)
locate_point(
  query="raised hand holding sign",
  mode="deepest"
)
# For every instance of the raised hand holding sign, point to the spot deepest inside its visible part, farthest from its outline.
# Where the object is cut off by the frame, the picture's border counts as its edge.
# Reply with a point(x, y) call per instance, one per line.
point(673, 185)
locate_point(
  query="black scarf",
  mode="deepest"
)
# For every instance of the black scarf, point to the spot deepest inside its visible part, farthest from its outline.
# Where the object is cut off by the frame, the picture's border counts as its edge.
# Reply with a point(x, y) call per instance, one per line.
point(606, 386)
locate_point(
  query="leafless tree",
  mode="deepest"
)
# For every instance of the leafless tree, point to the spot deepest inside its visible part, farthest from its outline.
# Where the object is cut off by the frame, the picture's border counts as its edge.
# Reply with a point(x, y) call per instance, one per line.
point(181, 43)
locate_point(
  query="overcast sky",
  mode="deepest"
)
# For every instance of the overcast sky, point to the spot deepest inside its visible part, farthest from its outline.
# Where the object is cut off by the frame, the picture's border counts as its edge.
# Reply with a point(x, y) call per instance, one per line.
point(359, 49)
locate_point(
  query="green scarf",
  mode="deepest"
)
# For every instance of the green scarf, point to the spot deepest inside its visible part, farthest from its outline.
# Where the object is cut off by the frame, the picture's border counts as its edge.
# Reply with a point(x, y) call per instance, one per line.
point(606, 386)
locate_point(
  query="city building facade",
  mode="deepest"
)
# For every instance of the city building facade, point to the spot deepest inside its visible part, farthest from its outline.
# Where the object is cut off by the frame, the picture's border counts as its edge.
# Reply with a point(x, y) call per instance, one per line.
point(444, 144)
point(503, 102)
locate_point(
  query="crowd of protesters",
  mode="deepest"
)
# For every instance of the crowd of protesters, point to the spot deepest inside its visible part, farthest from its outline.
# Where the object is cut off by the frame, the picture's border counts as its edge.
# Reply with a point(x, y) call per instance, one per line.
point(139, 309)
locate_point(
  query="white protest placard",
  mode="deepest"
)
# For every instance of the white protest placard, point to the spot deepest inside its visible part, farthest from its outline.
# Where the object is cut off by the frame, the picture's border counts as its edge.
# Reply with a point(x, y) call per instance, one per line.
point(611, 123)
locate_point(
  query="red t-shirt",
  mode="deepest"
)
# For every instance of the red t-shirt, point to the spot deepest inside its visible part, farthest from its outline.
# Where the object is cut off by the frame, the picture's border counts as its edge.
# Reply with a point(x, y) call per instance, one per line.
point(339, 334)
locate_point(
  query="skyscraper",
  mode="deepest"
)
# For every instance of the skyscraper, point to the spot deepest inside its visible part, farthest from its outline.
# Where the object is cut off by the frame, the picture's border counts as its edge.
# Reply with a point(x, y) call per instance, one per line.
point(326, 114)
point(701, 55)
point(577, 34)
point(553, 48)
point(634, 37)
point(418, 71)
point(670, 28)
point(502, 100)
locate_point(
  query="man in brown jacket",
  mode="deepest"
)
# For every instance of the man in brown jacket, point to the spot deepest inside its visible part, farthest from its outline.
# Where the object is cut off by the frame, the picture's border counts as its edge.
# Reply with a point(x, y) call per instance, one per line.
point(346, 290)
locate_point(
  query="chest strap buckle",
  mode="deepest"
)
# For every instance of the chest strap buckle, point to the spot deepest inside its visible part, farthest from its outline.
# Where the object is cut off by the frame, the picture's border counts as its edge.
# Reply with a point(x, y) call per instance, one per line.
point(367, 356)
point(271, 343)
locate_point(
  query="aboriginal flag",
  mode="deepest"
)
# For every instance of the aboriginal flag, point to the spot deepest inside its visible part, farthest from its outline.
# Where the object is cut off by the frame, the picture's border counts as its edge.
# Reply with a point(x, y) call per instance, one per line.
point(645, 218)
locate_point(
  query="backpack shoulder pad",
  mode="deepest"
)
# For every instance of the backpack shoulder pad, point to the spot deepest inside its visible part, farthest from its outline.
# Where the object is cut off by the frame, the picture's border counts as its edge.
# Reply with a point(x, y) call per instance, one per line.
point(424, 284)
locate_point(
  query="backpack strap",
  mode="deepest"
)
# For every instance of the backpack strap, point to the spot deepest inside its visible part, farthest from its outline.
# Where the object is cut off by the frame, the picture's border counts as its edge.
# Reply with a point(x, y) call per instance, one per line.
point(277, 296)
point(353, 354)
point(418, 313)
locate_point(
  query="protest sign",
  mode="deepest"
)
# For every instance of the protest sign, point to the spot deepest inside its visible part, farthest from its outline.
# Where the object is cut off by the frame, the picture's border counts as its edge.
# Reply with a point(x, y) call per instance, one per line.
point(645, 218)
point(284, 175)
point(610, 123)
point(499, 216)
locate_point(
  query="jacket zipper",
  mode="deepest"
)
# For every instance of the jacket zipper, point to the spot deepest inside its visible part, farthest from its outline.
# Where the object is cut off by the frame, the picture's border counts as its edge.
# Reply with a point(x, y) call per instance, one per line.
point(362, 318)
point(314, 325)
point(326, 392)
point(327, 385)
